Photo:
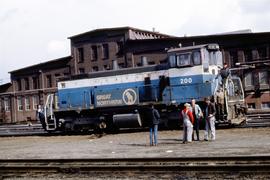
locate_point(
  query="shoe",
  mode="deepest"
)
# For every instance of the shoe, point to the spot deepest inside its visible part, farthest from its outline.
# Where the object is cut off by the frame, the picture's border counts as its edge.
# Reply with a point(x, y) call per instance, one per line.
point(184, 142)
point(205, 139)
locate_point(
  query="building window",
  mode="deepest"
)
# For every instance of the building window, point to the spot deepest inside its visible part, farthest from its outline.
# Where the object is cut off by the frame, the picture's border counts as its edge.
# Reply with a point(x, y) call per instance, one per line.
point(263, 77)
point(249, 79)
point(94, 54)
point(251, 106)
point(121, 65)
point(248, 55)
point(35, 102)
point(266, 105)
point(81, 55)
point(262, 52)
point(26, 84)
point(163, 61)
point(81, 71)
point(27, 103)
point(49, 81)
point(20, 104)
point(19, 85)
point(120, 46)
point(95, 68)
point(105, 51)
point(106, 67)
point(35, 82)
point(233, 58)
point(7, 104)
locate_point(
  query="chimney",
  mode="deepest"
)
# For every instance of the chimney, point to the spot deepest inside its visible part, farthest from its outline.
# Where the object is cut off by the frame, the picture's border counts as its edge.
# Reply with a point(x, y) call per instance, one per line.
point(144, 61)
point(115, 65)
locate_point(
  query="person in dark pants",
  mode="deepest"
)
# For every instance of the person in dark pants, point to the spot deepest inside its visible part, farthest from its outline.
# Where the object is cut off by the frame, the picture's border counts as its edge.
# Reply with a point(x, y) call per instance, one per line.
point(153, 126)
point(197, 114)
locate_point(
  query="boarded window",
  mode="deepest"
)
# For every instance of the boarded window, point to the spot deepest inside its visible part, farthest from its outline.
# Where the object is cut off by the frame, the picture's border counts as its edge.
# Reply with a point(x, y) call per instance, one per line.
point(81, 55)
point(35, 82)
point(105, 51)
point(49, 81)
point(95, 68)
point(94, 54)
point(81, 71)
point(26, 83)
point(19, 85)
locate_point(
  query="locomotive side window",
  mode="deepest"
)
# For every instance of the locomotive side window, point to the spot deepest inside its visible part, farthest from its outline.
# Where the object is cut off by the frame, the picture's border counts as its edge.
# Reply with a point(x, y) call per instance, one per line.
point(205, 60)
point(183, 60)
point(172, 60)
point(196, 58)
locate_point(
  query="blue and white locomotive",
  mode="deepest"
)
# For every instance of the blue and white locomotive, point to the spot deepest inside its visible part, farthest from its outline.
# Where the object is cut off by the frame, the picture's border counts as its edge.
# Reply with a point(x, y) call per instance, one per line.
point(120, 98)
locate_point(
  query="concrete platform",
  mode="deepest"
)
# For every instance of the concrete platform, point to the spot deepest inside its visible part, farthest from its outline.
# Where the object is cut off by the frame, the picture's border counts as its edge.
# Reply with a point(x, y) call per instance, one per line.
point(229, 142)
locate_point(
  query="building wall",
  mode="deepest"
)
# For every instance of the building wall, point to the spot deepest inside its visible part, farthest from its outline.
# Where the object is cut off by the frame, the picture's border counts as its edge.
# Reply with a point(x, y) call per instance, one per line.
point(29, 88)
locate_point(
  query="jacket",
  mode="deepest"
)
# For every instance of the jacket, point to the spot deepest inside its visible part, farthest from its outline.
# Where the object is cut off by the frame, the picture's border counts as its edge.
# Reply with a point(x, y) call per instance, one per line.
point(211, 110)
point(155, 117)
point(198, 111)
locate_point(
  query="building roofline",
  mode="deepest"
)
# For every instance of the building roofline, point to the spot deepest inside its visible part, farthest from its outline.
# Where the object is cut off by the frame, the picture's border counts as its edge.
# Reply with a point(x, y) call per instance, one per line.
point(40, 64)
point(118, 28)
point(204, 36)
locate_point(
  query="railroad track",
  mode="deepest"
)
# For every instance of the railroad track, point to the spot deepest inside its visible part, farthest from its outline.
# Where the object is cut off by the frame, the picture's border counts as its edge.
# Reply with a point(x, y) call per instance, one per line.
point(21, 130)
point(247, 166)
point(258, 120)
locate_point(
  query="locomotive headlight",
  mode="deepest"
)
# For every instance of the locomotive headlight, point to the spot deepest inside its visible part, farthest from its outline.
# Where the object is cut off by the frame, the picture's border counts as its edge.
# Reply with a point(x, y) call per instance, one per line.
point(213, 47)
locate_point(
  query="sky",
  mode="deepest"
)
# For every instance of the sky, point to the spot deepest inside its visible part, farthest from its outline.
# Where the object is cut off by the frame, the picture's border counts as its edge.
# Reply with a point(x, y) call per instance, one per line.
point(35, 31)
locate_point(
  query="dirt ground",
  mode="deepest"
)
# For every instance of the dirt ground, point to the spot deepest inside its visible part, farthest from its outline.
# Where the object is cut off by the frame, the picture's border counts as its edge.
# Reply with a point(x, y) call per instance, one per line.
point(229, 142)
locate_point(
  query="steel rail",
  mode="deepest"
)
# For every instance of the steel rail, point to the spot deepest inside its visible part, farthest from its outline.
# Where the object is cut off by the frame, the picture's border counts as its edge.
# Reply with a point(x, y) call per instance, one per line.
point(232, 163)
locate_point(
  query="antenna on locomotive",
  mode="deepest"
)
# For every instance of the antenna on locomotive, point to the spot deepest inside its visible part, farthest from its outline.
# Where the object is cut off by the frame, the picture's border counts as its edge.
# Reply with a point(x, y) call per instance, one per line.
point(115, 65)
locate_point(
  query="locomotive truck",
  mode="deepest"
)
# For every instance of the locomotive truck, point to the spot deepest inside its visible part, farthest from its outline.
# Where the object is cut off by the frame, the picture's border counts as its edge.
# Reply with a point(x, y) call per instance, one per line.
point(120, 98)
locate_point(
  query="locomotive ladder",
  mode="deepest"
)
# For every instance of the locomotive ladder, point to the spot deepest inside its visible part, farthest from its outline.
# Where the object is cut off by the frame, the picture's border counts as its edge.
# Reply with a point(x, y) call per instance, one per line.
point(50, 120)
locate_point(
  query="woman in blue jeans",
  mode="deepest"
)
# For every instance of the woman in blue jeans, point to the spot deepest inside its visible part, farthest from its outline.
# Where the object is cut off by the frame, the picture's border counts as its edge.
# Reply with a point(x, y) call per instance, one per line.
point(153, 126)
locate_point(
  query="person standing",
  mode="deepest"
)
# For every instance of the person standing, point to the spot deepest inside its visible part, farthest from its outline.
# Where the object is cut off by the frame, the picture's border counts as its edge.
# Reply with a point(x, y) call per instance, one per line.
point(197, 115)
point(153, 126)
point(187, 123)
point(209, 114)
point(225, 73)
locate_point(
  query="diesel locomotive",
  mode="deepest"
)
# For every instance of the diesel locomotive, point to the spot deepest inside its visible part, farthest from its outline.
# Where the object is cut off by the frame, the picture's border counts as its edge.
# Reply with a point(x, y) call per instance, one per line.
point(120, 98)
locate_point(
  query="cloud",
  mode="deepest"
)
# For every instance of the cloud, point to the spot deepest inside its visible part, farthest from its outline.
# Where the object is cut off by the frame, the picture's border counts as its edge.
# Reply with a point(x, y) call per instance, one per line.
point(4, 17)
point(57, 47)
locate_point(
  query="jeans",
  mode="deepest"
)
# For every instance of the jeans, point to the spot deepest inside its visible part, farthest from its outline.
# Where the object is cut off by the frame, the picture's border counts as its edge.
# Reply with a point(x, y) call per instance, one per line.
point(153, 130)
point(187, 131)
point(210, 129)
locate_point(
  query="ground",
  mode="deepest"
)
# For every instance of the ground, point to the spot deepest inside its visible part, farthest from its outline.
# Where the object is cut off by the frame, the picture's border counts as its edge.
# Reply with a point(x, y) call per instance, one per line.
point(229, 142)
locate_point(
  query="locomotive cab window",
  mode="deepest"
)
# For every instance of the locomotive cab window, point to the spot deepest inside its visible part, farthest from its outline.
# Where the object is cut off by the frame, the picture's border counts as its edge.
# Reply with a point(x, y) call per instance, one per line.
point(196, 58)
point(215, 58)
point(183, 60)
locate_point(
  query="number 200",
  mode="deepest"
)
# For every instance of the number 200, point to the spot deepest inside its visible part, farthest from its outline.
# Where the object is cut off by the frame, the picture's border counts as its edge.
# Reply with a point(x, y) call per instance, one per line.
point(185, 81)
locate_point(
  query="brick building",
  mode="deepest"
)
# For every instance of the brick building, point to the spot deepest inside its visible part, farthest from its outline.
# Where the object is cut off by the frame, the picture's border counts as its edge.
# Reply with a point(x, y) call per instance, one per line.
point(96, 50)
point(29, 87)
point(99, 49)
